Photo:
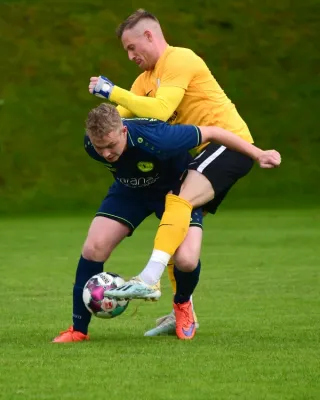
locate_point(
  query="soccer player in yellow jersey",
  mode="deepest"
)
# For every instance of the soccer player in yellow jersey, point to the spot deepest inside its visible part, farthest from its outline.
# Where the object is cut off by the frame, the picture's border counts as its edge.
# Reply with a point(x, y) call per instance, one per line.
point(177, 86)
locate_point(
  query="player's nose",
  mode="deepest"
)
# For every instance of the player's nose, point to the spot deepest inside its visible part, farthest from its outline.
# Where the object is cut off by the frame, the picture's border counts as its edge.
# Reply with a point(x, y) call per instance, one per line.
point(106, 153)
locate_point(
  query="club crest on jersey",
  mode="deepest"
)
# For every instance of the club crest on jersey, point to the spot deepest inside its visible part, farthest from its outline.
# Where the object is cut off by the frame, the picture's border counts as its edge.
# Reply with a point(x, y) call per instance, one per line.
point(145, 166)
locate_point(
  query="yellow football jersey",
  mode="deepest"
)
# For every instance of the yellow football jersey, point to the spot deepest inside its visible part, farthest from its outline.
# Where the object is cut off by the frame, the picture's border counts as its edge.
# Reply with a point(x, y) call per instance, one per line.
point(204, 101)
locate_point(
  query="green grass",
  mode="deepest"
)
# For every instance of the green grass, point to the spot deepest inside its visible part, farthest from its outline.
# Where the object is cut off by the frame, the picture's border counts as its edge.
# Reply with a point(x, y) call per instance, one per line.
point(257, 302)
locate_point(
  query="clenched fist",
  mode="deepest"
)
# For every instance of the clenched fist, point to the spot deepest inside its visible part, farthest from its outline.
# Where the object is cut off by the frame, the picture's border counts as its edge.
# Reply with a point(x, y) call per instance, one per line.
point(101, 86)
point(269, 159)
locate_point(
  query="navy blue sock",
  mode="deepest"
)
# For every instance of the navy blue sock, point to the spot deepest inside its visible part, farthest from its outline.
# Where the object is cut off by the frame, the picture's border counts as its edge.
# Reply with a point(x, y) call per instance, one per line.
point(81, 316)
point(186, 283)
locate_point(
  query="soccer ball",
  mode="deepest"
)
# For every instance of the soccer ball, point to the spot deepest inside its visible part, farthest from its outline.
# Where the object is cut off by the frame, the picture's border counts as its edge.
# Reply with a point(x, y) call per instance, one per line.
point(93, 295)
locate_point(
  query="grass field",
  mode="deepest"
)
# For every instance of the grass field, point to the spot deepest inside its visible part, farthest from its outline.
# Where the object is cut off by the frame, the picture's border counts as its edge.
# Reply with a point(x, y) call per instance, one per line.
point(257, 302)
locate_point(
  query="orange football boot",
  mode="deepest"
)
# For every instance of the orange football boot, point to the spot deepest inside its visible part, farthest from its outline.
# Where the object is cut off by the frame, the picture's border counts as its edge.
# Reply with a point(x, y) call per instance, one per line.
point(185, 323)
point(70, 335)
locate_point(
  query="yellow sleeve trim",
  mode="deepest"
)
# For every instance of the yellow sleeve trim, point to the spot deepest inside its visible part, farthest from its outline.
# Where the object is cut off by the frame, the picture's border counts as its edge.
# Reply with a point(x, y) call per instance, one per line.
point(161, 107)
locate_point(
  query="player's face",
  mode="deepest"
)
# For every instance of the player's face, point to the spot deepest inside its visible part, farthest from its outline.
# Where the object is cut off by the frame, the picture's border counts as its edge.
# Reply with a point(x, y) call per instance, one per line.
point(140, 48)
point(111, 145)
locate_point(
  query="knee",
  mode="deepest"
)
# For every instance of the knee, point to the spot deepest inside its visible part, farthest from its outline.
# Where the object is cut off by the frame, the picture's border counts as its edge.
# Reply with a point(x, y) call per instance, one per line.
point(96, 250)
point(186, 262)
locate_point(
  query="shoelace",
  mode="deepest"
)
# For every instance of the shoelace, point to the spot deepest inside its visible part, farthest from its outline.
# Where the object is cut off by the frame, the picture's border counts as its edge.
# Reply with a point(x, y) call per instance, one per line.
point(66, 331)
point(184, 309)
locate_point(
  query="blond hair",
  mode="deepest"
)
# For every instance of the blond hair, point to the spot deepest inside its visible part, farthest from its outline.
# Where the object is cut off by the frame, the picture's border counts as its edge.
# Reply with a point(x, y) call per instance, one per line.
point(133, 19)
point(102, 120)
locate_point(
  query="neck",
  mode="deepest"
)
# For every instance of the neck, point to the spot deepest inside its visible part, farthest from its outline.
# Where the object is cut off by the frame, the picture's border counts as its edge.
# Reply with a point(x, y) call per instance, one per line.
point(161, 47)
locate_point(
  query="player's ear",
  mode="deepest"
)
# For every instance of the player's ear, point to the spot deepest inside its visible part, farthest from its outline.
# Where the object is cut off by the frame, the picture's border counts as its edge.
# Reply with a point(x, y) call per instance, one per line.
point(148, 36)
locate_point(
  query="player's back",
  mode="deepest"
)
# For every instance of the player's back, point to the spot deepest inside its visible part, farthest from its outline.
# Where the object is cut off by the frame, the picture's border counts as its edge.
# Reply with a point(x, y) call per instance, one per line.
point(204, 101)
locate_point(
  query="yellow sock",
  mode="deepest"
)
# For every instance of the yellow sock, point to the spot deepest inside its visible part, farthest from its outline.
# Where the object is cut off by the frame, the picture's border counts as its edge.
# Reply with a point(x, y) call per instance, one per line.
point(174, 224)
point(171, 275)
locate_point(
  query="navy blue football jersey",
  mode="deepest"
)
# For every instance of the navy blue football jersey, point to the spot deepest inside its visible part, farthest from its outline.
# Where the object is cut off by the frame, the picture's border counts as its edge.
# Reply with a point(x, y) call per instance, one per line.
point(156, 156)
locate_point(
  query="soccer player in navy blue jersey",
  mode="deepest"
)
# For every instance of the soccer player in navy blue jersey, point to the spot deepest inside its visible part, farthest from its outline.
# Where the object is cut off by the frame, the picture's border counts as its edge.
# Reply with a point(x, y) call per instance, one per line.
point(147, 158)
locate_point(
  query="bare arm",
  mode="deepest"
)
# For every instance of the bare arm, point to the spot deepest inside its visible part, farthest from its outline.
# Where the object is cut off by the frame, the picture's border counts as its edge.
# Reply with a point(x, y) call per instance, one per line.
point(266, 158)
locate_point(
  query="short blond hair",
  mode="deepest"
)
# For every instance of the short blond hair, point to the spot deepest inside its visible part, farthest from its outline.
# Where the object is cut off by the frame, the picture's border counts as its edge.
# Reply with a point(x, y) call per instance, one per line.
point(133, 19)
point(102, 120)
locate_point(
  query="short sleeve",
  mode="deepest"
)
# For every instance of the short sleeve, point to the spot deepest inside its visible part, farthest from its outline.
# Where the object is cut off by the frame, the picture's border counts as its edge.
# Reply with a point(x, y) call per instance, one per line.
point(162, 139)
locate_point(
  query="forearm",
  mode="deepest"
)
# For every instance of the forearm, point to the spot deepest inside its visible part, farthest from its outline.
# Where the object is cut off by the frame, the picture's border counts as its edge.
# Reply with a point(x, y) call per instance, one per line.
point(161, 107)
point(230, 140)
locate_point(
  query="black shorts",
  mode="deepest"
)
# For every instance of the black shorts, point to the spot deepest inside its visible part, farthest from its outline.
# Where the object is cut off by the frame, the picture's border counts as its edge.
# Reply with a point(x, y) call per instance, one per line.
point(222, 167)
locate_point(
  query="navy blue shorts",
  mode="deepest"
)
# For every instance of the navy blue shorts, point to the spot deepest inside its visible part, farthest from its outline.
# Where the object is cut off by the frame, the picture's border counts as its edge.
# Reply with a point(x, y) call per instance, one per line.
point(133, 206)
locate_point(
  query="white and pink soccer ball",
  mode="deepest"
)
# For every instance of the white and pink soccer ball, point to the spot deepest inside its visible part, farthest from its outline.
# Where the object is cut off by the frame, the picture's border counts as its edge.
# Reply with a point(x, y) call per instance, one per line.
point(94, 299)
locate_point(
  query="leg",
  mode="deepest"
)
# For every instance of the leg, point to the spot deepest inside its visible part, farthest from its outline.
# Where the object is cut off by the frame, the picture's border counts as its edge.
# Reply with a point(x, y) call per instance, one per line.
point(195, 191)
point(210, 177)
point(187, 272)
point(103, 236)
point(146, 285)
point(187, 265)
point(172, 280)
point(168, 322)
point(186, 258)
point(119, 214)
point(166, 325)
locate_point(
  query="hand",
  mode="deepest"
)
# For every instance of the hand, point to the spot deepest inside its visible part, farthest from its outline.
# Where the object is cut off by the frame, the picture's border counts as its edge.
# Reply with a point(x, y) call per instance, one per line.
point(101, 86)
point(269, 159)
point(92, 84)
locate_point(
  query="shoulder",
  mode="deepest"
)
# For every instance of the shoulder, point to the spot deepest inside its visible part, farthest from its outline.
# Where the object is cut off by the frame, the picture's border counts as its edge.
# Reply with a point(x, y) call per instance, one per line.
point(181, 52)
point(142, 77)
point(140, 121)
point(142, 126)
point(183, 57)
